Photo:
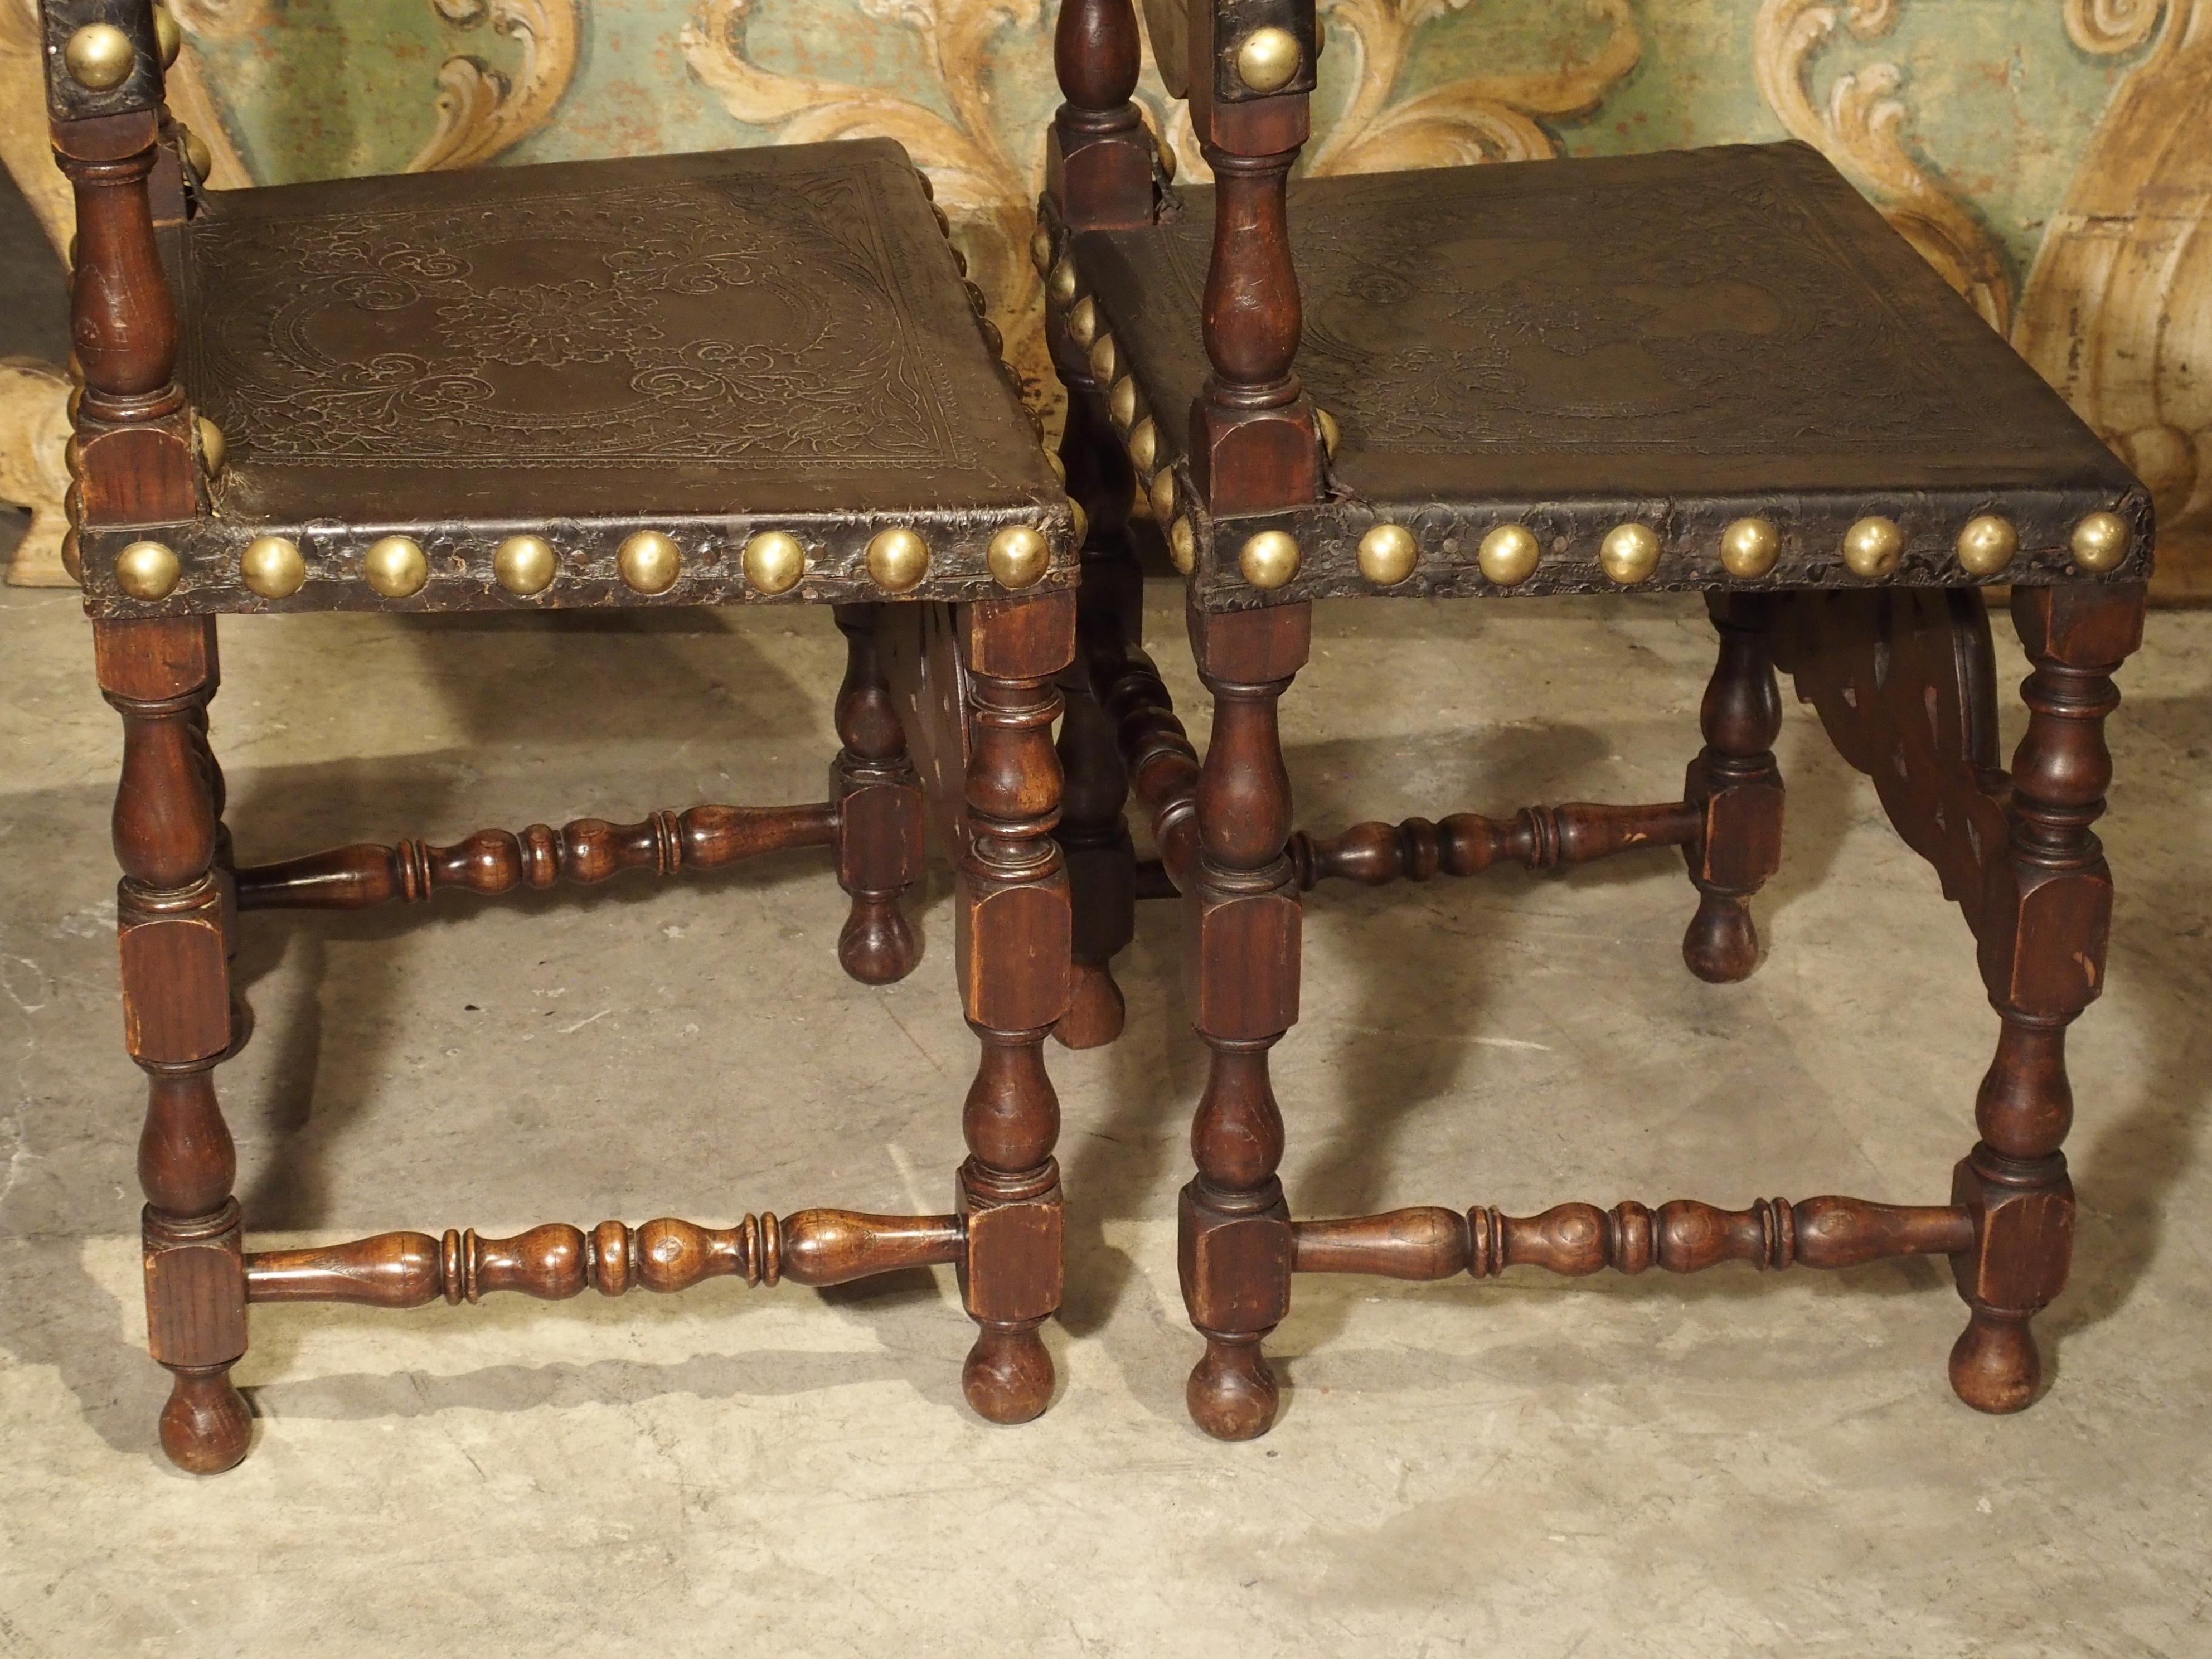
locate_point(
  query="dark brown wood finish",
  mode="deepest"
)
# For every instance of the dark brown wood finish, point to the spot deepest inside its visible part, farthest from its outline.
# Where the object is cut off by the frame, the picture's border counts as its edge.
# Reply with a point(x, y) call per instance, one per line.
point(924, 484)
point(1736, 787)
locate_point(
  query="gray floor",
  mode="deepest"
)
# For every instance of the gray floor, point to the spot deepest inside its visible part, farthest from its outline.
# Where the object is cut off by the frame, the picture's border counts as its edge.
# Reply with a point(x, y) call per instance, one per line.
point(1733, 1464)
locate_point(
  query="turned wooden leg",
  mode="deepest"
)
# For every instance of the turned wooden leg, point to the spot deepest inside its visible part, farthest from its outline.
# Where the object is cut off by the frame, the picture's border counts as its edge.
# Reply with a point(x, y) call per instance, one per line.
point(877, 794)
point(1235, 1229)
point(2043, 957)
point(177, 1024)
point(1736, 787)
point(1013, 941)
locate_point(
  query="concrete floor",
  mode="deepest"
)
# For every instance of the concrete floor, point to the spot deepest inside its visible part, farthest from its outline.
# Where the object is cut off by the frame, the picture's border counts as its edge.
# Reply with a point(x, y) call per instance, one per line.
point(1732, 1464)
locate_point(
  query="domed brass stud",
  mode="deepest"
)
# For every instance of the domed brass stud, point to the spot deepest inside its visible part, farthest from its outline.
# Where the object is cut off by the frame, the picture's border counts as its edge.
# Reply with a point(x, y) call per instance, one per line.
point(1872, 547)
point(976, 302)
point(1269, 559)
point(168, 38)
point(1630, 553)
point(1083, 322)
point(213, 449)
point(525, 565)
point(1060, 286)
point(147, 570)
point(1268, 59)
point(943, 225)
point(649, 562)
point(197, 153)
point(271, 567)
point(1105, 359)
point(98, 57)
point(929, 185)
point(394, 567)
point(1059, 467)
point(1018, 556)
point(1082, 520)
point(1749, 548)
point(2100, 542)
point(1986, 545)
point(1122, 403)
point(1388, 554)
point(1144, 444)
point(898, 559)
point(1163, 495)
point(1331, 433)
point(1509, 555)
point(774, 562)
point(1041, 249)
point(1182, 545)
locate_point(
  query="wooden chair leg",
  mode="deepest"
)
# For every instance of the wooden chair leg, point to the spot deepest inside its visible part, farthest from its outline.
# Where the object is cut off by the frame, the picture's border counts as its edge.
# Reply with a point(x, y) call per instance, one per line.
point(173, 943)
point(1014, 938)
point(2042, 956)
point(1235, 1229)
point(878, 795)
point(1736, 787)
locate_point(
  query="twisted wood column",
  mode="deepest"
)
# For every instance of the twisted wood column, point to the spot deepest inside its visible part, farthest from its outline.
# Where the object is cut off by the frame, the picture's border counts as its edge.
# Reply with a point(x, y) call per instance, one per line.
point(1234, 1227)
point(1013, 943)
point(1736, 787)
point(877, 794)
point(2043, 939)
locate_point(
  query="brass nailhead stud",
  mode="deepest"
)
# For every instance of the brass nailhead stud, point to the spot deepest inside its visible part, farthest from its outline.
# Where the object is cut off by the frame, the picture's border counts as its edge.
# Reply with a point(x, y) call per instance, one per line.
point(213, 449)
point(649, 562)
point(1018, 556)
point(1182, 545)
point(774, 560)
point(1749, 548)
point(1041, 249)
point(394, 567)
point(525, 565)
point(1059, 467)
point(1083, 322)
point(1630, 553)
point(1331, 433)
point(147, 570)
point(1144, 444)
point(1986, 545)
point(98, 57)
point(1873, 546)
point(1388, 554)
point(271, 567)
point(898, 559)
point(1509, 555)
point(2100, 542)
point(1060, 285)
point(168, 38)
point(1269, 559)
point(1105, 361)
point(1163, 496)
point(1082, 520)
point(1122, 403)
point(1268, 59)
point(197, 153)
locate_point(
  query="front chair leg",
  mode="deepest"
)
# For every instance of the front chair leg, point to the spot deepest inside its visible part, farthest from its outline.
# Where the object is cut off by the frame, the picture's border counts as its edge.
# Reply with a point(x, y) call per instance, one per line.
point(177, 1023)
point(878, 795)
point(1014, 942)
point(1235, 1228)
point(1737, 788)
point(2043, 944)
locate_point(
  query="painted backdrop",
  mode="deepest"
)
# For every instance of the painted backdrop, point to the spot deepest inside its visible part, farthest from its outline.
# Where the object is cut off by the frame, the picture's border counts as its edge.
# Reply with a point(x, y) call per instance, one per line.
point(2051, 158)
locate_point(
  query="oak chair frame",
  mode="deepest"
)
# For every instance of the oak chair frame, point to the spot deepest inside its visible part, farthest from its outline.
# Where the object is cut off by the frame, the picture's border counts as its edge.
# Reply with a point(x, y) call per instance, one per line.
point(1902, 678)
point(140, 462)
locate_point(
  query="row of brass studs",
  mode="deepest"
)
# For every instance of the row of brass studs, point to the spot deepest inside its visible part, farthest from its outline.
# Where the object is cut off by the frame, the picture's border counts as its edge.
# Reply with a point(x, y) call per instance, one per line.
point(395, 567)
point(99, 57)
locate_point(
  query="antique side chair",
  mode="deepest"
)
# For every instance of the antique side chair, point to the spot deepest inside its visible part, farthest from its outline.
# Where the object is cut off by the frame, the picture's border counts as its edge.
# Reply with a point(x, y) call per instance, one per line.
point(1716, 371)
point(756, 377)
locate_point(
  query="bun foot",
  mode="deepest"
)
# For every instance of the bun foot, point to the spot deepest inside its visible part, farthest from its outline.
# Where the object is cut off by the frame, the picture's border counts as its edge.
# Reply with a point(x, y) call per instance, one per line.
point(1008, 1375)
point(1721, 945)
point(1095, 1011)
point(1994, 1364)
point(1231, 1394)
point(206, 1427)
point(878, 945)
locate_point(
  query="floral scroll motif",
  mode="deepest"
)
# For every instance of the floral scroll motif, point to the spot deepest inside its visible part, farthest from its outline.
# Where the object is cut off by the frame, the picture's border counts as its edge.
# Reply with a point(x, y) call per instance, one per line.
point(480, 111)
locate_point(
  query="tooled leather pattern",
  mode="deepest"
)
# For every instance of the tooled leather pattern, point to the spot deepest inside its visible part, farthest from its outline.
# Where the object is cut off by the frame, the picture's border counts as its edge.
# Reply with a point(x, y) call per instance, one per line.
point(728, 320)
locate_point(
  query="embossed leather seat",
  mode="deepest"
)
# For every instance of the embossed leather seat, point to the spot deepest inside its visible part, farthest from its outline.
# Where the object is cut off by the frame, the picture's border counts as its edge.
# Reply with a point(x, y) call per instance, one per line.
point(1716, 370)
point(753, 377)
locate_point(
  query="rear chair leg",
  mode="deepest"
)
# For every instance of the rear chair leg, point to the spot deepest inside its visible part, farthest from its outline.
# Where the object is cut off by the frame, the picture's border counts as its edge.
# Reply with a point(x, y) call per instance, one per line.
point(877, 794)
point(173, 941)
point(1736, 787)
